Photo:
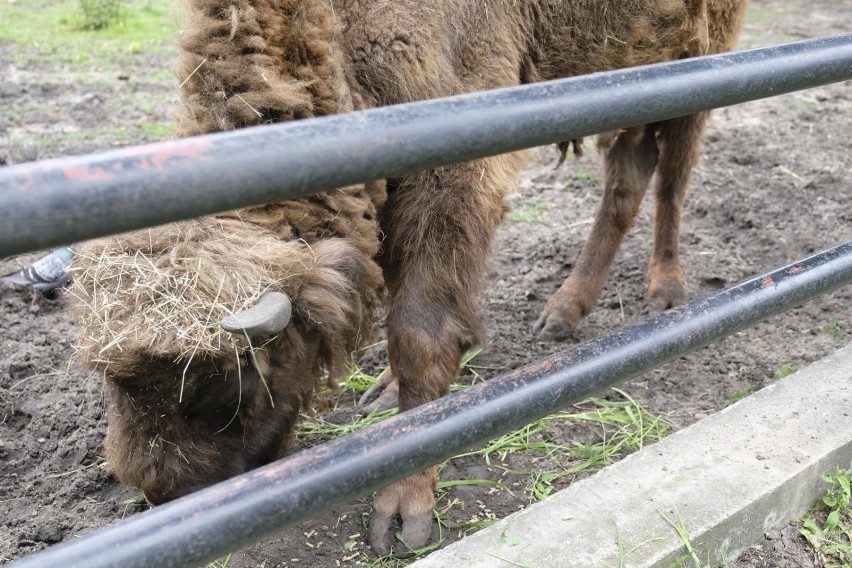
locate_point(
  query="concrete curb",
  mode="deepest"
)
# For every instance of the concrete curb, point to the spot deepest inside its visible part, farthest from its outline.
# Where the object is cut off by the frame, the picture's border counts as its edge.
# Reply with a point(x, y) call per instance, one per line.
point(727, 479)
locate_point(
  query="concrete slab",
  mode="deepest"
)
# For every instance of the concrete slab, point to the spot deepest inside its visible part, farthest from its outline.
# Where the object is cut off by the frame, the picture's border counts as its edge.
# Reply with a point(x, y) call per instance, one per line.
point(726, 480)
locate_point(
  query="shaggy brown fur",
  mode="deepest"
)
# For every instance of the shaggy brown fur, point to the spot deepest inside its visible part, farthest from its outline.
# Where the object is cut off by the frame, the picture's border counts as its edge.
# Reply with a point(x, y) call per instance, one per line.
point(148, 304)
point(183, 394)
point(186, 407)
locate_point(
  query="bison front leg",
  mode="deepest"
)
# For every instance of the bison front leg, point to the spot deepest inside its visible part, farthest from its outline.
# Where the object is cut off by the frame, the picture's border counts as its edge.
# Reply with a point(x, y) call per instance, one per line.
point(426, 340)
point(439, 225)
point(680, 141)
point(629, 165)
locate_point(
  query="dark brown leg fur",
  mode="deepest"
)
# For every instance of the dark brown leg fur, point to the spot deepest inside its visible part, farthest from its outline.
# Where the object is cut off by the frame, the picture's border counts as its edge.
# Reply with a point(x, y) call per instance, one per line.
point(680, 144)
point(439, 226)
point(629, 164)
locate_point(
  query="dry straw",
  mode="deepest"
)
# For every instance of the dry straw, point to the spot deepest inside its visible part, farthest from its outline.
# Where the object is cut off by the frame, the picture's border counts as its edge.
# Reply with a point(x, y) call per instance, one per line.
point(161, 292)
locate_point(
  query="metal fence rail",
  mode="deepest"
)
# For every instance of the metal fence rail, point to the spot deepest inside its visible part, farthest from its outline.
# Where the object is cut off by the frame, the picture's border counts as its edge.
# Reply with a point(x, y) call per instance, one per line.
point(210, 523)
point(72, 199)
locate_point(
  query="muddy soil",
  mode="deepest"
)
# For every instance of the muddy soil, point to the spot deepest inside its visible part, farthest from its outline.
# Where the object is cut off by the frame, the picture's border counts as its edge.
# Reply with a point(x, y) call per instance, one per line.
point(774, 186)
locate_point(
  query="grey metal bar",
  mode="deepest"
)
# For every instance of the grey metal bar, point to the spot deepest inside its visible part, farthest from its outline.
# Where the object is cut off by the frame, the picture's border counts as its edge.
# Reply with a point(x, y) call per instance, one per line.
point(210, 523)
point(72, 199)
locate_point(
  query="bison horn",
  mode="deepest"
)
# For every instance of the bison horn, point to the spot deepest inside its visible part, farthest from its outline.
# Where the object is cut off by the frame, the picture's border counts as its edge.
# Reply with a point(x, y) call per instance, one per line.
point(269, 315)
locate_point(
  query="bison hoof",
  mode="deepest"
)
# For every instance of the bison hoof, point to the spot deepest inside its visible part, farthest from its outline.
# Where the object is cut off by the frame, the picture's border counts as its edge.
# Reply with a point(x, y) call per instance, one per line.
point(416, 532)
point(552, 329)
point(383, 395)
point(379, 529)
point(559, 319)
point(666, 296)
point(411, 499)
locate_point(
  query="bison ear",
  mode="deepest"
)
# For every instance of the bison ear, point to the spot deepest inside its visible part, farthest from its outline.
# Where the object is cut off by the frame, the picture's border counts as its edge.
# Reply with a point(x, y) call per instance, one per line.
point(269, 315)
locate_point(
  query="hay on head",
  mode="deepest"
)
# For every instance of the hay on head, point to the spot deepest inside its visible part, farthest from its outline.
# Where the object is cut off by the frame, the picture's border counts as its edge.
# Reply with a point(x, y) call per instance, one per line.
point(161, 292)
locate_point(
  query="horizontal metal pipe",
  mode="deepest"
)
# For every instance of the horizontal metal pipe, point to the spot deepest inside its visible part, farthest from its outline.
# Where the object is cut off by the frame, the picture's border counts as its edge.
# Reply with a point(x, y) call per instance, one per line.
point(210, 523)
point(71, 199)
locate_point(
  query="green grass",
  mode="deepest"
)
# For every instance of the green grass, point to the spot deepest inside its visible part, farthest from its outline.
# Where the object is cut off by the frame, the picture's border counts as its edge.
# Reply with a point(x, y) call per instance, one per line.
point(757, 14)
point(733, 397)
point(796, 102)
point(532, 454)
point(828, 528)
point(53, 29)
point(581, 177)
point(624, 552)
point(223, 563)
point(623, 426)
point(527, 212)
point(127, 134)
point(764, 24)
point(315, 429)
point(788, 368)
point(691, 555)
point(832, 328)
point(467, 367)
point(582, 174)
point(359, 381)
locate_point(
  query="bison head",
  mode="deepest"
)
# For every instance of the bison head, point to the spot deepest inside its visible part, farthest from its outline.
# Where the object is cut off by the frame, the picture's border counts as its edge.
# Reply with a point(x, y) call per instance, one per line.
point(204, 380)
point(216, 418)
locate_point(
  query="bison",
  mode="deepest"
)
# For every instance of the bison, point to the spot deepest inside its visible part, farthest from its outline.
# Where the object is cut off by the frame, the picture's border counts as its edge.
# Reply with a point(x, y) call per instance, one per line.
point(295, 285)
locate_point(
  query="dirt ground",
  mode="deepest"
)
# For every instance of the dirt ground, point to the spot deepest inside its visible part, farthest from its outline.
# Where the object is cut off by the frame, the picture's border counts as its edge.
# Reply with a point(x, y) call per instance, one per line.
point(774, 185)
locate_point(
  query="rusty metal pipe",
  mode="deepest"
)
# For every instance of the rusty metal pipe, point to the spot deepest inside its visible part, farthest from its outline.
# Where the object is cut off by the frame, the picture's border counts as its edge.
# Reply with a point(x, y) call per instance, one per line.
point(208, 524)
point(72, 199)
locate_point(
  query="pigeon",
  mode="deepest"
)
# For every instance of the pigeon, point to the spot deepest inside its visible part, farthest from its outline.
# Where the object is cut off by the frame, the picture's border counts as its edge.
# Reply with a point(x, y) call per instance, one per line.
point(44, 276)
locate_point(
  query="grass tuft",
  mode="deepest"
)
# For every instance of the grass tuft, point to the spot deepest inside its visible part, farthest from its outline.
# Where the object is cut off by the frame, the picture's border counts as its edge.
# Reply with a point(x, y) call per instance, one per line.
point(691, 555)
point(600, 432)
point(527, 212)
point(828, 528)
point(832, 328)
point(787, 369)
point(615, 428)
point(62, 32)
